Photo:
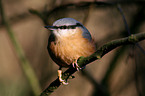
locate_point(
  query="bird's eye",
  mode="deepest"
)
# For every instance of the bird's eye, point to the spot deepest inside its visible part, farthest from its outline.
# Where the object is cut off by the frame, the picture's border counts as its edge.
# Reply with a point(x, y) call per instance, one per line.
point(73, 27)
point(68, 27)
point(60, 27)
point(63, 27)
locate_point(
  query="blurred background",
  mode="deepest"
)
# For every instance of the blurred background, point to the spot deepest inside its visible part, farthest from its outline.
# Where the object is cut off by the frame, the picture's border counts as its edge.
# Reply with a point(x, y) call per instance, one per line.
point(121, 72)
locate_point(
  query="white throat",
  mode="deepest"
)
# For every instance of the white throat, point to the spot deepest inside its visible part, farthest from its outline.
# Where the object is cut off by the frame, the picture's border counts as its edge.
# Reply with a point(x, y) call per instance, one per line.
point(60, 33)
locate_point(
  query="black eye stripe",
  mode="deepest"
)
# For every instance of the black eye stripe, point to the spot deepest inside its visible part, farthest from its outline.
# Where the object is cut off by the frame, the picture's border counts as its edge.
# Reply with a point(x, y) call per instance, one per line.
point(67, 27)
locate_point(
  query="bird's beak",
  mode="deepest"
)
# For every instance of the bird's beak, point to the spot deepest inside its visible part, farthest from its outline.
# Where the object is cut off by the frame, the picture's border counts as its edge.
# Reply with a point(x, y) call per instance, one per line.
point(49, 27)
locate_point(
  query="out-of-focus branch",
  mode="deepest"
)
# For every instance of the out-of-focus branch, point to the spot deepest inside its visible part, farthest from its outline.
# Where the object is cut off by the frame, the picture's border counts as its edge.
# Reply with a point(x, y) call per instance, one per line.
point(81, 5)
point(83, 61)
point(98, 89)
point(135, 25)
point(27, 69)
point(113, 65)
point(41, 16)
point(44, 15)
point(126, 25)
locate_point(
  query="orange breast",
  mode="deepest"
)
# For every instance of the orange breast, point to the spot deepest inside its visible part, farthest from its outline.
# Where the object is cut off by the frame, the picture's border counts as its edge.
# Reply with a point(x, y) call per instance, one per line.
point(67, 49)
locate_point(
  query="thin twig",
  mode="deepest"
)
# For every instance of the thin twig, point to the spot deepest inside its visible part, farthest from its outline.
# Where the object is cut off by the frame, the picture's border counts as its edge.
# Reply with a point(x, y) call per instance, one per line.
point(112, 65)
point(98, 89)
point(127, 28)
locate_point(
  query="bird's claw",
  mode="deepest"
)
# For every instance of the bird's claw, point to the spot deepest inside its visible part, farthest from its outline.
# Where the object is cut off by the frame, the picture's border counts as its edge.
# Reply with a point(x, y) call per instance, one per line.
point(64, 82)
point(75, 65)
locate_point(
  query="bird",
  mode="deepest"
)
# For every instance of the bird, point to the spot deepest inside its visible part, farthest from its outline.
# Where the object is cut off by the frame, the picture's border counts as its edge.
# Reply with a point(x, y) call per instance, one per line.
point(68, 41)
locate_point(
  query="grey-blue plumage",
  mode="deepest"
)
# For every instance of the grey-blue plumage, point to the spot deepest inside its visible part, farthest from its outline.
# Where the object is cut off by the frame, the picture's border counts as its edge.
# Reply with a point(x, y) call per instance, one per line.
point(71, 21)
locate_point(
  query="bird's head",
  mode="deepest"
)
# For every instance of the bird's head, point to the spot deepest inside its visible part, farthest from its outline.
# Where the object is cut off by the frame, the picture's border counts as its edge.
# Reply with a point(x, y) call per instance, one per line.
point(66, 27)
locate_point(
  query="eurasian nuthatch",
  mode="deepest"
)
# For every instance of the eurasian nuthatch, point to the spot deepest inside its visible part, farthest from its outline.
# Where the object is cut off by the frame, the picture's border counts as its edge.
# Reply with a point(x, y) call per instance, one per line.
point(69, 40)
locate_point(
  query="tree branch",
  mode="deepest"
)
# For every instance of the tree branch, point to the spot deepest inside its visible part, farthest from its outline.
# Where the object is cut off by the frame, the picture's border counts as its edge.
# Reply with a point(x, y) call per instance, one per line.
point(83, 61)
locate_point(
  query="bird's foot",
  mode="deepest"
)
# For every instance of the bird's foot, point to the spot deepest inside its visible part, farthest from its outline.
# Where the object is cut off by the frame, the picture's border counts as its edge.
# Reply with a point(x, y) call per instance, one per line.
point(75, 65)
point(64, 82)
